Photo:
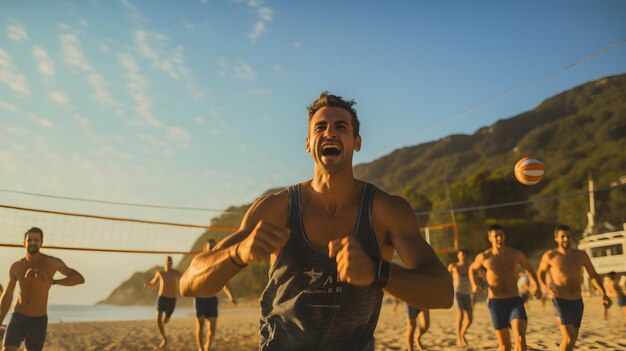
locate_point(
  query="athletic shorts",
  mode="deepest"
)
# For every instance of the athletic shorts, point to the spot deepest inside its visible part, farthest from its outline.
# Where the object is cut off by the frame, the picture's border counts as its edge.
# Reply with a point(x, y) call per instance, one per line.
point(463, 301)
point(525, 296)
point(166, 304)
point(621, 301)
point(503, 311)
point(206, 306)
point(31, 330)
point(569, 311)
point(412, 312)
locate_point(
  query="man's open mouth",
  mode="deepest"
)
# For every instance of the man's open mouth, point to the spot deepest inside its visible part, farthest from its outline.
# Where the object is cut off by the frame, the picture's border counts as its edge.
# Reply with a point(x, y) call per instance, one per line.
point(331, 150)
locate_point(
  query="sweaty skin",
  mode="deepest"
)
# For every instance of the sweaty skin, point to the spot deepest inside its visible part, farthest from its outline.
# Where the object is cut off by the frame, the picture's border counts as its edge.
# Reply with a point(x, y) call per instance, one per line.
point(502, 272)
point(565, 267)
point(501, 263)
point(168, 282)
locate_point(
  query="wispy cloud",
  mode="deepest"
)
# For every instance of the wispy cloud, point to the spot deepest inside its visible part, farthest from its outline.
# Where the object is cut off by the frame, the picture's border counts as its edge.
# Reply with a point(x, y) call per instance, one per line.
point(44, 63)
point(100, 91)
point(138, 87)
point(59, 97)
point(156, 47)
point(265, 15)
point(9, 106)
point(72, 52)
point(240, 70)
point(16, 32)
point(199, 120)
point(10, 75)
point(40, 120)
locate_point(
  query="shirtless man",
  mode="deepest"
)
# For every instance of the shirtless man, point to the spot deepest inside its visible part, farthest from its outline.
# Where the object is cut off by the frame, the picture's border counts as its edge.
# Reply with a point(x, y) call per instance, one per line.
point(166, 302)
point(615, 291)
point(506, 307)
point(330, 241)
point(206, 312)
point(35, 275)
point(565, 266)
point(411, 325)
point(462, 296)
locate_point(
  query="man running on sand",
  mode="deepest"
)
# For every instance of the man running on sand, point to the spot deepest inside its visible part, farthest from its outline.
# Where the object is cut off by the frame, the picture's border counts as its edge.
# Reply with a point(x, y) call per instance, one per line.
point(615, 291)
point(462, 296)
point(330, 241)
point(168, 290)
point(206, 312)
point(411, 326)
point(565, 267)
point(35, 275)
point(506, 307)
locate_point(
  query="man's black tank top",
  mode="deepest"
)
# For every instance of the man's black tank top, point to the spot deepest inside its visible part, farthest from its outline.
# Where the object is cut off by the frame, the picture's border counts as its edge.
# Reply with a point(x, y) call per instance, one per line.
point(303, 307)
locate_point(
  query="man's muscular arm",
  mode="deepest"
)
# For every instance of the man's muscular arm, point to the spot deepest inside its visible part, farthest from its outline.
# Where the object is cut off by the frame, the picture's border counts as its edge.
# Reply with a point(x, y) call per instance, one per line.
point(72, 277)
point(471, 272)
point(257, 239)
point(544, 265)
point(7, 296)
point(595, 278)
point(423, 280)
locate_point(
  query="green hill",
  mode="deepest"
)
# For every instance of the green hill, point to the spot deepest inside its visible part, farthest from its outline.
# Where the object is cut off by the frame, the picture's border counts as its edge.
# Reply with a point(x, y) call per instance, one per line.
point(579, 132)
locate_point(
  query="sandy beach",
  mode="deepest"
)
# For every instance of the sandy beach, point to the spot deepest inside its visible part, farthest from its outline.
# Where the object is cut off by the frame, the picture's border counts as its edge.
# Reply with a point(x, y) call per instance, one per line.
point(238, 330)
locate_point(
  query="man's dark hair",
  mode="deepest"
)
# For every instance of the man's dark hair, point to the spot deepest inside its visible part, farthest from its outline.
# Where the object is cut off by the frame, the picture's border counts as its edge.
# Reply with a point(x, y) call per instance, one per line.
point(169, 258)
point(211, 241)
point(463, 251)
point(327, 99)
point(612, 275)
point(34, 230)
point(494, 227)
point(562, 227)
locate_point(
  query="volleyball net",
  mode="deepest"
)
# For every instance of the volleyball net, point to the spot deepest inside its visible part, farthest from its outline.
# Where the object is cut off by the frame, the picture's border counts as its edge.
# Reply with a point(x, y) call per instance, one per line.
point(88, 232)
point(444, 238)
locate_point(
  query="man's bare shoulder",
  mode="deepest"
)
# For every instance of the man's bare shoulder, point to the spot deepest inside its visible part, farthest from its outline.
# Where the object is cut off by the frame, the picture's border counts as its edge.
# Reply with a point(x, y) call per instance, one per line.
point(52, 261)
point(271, 203)
point(392, 207)
point(389, 201)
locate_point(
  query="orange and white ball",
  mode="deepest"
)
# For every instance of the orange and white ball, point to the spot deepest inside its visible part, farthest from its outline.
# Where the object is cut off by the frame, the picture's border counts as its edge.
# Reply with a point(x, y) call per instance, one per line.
point(529, 171)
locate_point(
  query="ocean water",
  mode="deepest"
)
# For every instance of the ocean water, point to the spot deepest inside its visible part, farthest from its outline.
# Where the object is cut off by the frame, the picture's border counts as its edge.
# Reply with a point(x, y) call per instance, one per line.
point(94, 313)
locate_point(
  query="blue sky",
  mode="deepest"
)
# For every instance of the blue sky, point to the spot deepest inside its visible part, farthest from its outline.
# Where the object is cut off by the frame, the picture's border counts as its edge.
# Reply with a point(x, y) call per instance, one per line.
point(203, 103)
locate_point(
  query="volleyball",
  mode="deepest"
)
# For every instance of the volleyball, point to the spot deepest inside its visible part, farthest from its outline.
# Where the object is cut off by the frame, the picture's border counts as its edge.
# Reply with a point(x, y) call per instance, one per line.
point(529, 171)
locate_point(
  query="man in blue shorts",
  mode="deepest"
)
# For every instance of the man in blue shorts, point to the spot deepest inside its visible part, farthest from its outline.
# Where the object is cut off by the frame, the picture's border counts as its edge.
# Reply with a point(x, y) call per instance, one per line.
point(565, 266)
point(462, 296)
point(411, 325)
point(206, 311)
point(506, 307)
point(168, 280)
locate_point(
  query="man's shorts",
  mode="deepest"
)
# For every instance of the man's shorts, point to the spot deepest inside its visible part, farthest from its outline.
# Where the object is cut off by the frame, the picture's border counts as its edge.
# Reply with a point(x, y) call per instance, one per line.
point(166, 304)
point(621, 301)
point(463, 301)
point(525, 296)
point(31, 330)
point(412, 312)
point(503, 311)
point(569, 311)
point(206, 306)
